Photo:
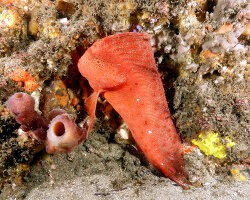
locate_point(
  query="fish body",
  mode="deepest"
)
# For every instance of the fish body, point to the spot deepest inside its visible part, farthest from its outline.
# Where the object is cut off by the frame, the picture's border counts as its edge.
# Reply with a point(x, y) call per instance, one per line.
point(122, 68)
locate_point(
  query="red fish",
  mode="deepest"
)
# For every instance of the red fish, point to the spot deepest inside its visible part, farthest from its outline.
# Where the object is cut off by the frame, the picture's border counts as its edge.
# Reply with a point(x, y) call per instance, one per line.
point(122, 68)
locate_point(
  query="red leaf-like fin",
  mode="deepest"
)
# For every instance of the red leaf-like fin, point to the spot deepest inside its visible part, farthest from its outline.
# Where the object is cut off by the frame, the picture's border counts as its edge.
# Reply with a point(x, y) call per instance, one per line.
point(91, 103)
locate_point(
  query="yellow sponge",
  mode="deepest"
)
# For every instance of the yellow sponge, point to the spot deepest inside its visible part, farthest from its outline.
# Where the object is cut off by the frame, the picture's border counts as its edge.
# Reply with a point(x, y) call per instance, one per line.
point(210, 144)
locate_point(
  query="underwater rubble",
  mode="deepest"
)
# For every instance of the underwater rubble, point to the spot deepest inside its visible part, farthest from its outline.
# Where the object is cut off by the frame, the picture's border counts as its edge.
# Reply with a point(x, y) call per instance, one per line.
point(201, 49)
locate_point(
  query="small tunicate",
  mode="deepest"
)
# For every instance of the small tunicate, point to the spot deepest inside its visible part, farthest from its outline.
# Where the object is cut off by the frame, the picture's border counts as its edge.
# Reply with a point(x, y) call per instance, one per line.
point(63, 134)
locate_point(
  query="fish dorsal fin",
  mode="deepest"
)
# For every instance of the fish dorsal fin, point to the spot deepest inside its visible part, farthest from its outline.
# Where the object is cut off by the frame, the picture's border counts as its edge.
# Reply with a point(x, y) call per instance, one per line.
point(125, 50)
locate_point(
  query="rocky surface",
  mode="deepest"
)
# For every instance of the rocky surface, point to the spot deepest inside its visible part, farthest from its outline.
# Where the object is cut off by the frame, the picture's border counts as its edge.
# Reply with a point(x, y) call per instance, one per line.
point(201, 49)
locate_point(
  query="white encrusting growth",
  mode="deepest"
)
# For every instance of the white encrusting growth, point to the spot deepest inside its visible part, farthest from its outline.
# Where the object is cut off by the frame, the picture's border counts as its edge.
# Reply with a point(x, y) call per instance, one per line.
point(149, 132)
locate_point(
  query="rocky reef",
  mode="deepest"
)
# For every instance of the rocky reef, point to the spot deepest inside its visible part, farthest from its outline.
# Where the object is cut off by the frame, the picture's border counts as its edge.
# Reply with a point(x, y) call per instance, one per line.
point(201, 49)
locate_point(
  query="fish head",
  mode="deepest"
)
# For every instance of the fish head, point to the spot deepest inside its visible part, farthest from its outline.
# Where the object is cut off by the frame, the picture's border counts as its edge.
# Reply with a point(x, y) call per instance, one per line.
point(110, 61)
point(101, 69)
